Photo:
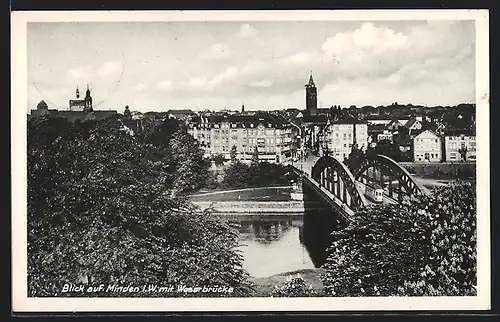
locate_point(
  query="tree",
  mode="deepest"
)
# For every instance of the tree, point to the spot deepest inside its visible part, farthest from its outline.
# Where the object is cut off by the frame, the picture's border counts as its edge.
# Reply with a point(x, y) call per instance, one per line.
point(388, 149)
point(99, 212)
point(189, 166)
point(426, 247)
point(463, 152)
point(255, 156)
point(218, 159)
point(355, 157)
point(237, 175)
point(233, 154)
point(160, 134)
point(126, 112)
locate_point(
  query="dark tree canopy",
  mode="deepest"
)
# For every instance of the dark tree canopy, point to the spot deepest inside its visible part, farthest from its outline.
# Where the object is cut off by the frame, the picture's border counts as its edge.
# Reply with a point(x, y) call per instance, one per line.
point(101, 211)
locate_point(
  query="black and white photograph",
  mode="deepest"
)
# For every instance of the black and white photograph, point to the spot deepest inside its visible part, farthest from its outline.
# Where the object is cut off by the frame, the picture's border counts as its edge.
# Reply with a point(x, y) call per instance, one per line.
point(240, 161)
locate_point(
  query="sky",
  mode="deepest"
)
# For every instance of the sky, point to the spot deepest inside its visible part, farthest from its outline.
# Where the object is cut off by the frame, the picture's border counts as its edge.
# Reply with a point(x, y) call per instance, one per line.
point(158, 66)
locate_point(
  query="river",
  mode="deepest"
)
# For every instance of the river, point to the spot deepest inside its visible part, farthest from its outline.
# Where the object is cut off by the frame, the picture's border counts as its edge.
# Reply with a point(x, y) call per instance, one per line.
point(271, 243)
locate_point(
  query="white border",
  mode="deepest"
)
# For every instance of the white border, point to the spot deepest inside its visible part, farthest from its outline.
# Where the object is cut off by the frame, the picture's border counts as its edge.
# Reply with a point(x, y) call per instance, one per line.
point(20, 301)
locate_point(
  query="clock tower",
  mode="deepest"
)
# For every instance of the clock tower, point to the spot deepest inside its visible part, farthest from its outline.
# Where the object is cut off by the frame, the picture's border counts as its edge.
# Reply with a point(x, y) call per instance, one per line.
point(311, 96)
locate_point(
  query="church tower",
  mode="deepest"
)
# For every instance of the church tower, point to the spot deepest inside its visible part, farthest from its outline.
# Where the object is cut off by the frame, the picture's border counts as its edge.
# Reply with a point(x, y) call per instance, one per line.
point(88, 100)
point(311, 96)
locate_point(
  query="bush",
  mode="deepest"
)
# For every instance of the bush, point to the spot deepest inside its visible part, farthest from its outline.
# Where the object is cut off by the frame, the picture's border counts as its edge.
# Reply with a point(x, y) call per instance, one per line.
point(426, 247)
point(295, 286)
point(239, 175)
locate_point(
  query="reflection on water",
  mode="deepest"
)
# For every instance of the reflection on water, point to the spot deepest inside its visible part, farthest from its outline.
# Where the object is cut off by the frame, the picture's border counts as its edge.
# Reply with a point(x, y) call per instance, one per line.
point(272, 244)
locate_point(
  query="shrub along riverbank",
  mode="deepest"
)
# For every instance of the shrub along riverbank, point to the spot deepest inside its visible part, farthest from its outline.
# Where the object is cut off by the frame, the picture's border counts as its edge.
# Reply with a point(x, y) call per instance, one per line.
point(458, 170)
point(256, 174)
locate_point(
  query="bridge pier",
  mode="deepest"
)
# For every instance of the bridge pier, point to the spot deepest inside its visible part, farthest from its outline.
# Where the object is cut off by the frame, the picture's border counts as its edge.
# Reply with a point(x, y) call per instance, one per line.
point(320, 220)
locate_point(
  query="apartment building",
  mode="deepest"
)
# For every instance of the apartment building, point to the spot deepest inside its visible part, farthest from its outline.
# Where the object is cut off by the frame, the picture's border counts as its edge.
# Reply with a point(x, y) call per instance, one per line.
point(271, 134)
point(341, 135)
point(459, 146)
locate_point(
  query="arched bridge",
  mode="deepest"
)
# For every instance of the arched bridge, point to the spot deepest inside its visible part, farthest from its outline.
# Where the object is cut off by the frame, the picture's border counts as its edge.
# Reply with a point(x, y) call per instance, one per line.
point(334, 191)
point(344, 187)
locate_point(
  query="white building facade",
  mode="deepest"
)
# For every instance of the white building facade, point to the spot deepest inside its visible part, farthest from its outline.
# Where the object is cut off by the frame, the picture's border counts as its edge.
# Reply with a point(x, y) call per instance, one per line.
point(460, 147)
point(340, 136)
point(427, 147)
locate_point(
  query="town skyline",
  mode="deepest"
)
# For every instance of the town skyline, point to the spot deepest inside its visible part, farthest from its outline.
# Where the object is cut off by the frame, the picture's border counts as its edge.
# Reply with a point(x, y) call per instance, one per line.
point(213, 65)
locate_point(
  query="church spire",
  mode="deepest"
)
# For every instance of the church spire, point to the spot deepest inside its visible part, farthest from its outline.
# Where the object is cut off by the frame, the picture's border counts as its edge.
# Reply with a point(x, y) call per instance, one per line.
point(311, 80)
point(87, 92)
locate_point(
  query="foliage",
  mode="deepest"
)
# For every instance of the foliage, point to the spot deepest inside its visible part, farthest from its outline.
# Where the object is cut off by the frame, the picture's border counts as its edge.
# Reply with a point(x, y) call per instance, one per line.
point(101, 211)
point(450, 265)
point(233, 153)
point(427, 247)
point(355, 158)
point(463, 152)
point(188, 163)
point(182, 152)
point(255, 156)
point(239, 174)
point(443, 170)
point(295, 286)
point(159, 134)
point(219, 159)
point(236, 175)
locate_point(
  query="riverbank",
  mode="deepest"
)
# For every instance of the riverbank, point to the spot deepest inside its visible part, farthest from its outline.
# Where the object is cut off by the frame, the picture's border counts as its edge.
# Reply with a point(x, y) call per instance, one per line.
point(244, 207)
point(276, 193)
point(265, 285)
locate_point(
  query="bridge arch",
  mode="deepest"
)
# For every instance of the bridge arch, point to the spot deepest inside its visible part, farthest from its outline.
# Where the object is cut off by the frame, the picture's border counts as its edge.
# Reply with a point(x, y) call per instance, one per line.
point(389, 167)
point(334, 176)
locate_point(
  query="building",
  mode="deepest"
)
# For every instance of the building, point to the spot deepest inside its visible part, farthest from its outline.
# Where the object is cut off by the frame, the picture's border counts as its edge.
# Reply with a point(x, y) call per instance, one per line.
point(272, 135)
point(427, 146)
point(459, 146)
point(378, 121)
point(394, 125)
point(311, 97)
point(386, 135)
point(412, 125)
point(84, 104)
point(341, 135)
point(181, 115)
point(79, 109)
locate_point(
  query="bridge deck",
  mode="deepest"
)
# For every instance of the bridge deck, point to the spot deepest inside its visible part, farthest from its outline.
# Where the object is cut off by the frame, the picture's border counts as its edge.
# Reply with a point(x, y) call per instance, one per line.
point(345, 211)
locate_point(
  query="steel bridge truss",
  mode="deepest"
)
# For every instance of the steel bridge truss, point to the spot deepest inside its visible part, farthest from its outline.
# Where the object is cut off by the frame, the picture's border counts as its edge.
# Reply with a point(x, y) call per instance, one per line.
point(335, 177)
point(384, 171)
